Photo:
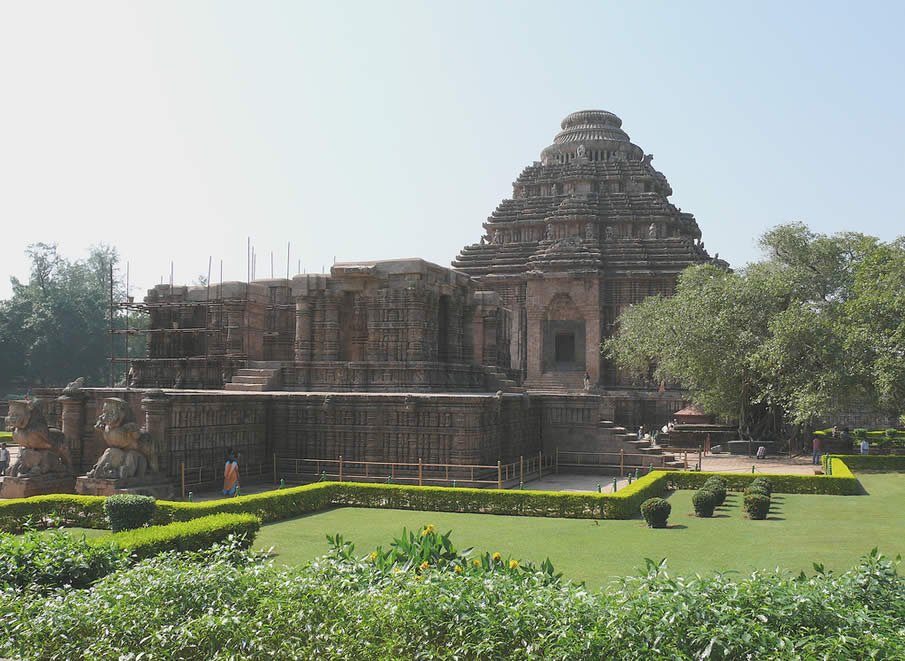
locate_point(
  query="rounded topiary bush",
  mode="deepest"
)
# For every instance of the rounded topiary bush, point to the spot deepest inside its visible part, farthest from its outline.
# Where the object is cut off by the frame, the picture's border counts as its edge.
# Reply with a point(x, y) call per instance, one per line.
point(655, 512)
point(757, 488)
point(757, 505)
point(763, 482)
point(717, 486)
point(704, 502)
point(126, 511)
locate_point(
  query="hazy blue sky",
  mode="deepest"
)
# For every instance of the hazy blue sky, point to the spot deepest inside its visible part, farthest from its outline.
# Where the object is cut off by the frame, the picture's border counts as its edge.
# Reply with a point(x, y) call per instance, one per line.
point(373, 130)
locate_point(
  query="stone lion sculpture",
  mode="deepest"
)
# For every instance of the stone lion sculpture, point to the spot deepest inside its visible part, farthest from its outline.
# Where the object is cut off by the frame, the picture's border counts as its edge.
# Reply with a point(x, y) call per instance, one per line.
point(129, 454)
point(43, 450)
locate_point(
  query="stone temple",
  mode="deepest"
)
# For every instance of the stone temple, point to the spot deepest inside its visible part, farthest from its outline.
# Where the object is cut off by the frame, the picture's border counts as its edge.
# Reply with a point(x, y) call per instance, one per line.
point(408, 361)
point(589, 230)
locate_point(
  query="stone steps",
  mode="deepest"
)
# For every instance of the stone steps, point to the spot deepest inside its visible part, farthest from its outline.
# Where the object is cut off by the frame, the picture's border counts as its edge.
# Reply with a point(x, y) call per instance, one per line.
point(257, 378)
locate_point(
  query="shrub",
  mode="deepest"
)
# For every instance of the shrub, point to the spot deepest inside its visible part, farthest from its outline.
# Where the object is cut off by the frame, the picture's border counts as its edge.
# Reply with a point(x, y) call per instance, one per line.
point(765, 483)
point(704, 502)
point(655, 512)
point(126, 511)
point(860, 433)
point(757, 505)
point(757, 488)
point(717, 487)
point(192, 535)
point(55, 559)
point(879, 462)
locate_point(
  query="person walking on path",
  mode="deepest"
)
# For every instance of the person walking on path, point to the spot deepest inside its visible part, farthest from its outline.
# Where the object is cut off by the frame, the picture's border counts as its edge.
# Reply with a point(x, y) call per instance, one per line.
point(815, 444)
point(230, 475)
point(4, 458)
point(865, 446)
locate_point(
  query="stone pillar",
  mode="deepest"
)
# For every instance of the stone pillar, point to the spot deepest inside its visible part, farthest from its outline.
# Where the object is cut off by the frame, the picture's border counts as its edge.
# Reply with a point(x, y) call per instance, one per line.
point(331, 328)
point(303, 330)
point(157, 405)
point(73, 420)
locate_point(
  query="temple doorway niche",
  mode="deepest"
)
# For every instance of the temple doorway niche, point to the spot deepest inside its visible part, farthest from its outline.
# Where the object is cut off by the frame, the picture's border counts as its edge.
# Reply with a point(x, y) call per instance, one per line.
point(563, 336)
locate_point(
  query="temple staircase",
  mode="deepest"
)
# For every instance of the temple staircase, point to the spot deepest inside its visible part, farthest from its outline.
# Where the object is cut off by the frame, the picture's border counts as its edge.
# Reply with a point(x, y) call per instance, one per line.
point(259, 376)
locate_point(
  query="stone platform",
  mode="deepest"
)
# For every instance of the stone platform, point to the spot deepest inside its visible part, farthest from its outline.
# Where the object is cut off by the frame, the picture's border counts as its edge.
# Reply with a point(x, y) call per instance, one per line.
point(25, 487)
point(91, 486)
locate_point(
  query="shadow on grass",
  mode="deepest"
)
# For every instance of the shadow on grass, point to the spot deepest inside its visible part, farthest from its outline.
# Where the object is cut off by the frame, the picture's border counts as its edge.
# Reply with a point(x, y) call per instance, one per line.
point(300, 516)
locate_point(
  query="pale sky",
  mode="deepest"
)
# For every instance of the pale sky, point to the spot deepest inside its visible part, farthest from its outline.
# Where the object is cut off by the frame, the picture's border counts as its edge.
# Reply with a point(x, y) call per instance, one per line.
point(376, 130)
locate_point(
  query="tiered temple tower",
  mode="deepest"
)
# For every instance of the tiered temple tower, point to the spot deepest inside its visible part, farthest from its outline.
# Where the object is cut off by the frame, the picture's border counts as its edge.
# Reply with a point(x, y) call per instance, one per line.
point(589, 231)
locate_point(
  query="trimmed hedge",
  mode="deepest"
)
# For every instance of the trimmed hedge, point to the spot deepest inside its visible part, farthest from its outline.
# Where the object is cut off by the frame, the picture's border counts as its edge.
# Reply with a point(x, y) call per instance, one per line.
point(840, 483)
point(128, 510)
point(878, 462)
point(192, 535)
point(82, 511)
point(704, 501)
point(88, 511)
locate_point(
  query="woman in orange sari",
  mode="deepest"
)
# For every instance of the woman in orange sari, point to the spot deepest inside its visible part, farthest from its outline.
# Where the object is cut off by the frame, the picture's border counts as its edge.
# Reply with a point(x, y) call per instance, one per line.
point(230, 476)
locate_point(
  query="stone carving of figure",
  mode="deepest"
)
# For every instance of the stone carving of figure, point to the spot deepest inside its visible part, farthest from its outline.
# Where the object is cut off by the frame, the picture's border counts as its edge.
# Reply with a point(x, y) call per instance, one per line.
point(180, 377)
point(498, 237)
point(581, 151)
point(652, 231)
point(610, 233)
point(647, 159)
point(129, 453)
point(482, 241)
point(589, 232)
point(549, 232)
point(42, 449)
point(74, 388)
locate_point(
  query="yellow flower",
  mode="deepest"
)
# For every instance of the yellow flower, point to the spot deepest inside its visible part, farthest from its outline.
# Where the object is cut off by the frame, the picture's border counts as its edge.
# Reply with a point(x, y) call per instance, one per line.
point(373, 556)
point(429, 528)
point(497, 557)
point(458, 569)
point(418, 578)
point(395, 569)
point(476, 562)
point(513, 564)
point(424, 565)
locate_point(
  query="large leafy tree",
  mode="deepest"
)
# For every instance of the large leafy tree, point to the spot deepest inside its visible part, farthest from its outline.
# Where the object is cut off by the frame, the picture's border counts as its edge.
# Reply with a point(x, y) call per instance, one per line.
point(817, 322)
point(55, 327)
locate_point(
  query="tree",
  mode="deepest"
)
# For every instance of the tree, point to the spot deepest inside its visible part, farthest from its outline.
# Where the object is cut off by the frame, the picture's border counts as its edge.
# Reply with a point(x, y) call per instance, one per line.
point(817, 323)
point(55, 327)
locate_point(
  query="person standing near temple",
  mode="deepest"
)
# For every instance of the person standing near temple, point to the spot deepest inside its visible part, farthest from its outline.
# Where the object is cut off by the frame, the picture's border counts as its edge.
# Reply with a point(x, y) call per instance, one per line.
point(815, 446)
point(230, 475)
point(4, 458)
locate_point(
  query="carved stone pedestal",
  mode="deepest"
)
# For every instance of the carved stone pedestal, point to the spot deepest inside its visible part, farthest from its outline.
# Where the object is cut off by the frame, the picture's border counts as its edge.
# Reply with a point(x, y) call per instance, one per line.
point(99, 486)
point(23, 487)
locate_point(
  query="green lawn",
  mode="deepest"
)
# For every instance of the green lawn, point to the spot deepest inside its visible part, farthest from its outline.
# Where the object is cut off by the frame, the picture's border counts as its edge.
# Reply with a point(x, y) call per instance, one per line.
point(833, 530)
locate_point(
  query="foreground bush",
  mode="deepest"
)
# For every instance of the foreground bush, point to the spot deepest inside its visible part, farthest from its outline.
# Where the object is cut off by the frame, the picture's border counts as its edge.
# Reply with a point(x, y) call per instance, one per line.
point(126, 511)
point(226, 606)
point(43, 560)
point(655, 512)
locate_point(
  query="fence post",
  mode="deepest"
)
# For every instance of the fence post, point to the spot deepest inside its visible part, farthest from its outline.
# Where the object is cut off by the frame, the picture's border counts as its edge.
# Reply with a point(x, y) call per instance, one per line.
point(556, 464)
point(183, 479)
point(274, 467)
point(521, 468)
point(340, 468)
point(700, 458)
point(499, 474)
point(419, 472)
point(540, 465)
point(621, 462)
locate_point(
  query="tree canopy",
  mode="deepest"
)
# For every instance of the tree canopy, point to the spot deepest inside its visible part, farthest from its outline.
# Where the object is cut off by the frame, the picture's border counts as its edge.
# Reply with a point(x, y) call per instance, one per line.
point(818, 322)
point(55, 327)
